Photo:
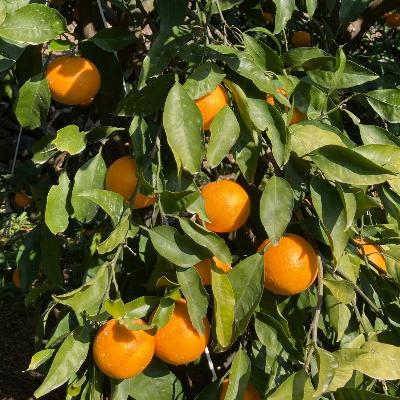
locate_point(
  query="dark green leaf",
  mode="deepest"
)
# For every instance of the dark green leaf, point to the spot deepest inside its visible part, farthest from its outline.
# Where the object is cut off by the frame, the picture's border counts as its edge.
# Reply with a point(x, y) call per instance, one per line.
point(176, 248)
point(117, 236)
point(347, 166)
point(90, 176)
point(195, 295)
point(33, 102)
point(56, 215)
point(22, 25)
point(203, 80)
point(9, 54)
point(276, 207)
point(225, 131)
point(67, 361)
point(386, 102)
point(239, 376)
point(182, 123)
point(113, 39)
point(297, 387)
point(284, 11)
point(207, 239)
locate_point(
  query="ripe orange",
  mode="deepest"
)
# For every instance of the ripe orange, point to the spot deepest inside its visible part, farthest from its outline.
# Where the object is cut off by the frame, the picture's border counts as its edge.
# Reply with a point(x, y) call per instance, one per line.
point(297, 114)
point(289, 267)
point(249, 394)
point(268, 17)
point(393, 20)
point(210, 104)
point(121, 178)
point(227, 206)
point(301, 39)
point(22, 200)
point(121, 353)
point(16, 278)
point(373, 253)
point(204, 269)
point(178, 342)
point(73, 80)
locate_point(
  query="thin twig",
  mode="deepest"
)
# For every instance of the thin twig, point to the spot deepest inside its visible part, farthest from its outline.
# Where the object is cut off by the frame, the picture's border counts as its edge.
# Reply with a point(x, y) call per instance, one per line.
point(210, 364)
point(16, 150)
point(359, 318)
point(149, 20)
point(101, 11)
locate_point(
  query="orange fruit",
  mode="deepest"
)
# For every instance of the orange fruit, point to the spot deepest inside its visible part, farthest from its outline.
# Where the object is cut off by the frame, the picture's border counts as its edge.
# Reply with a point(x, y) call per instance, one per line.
point(120, 353)
point(393, 20)
point(227, 206)
point(297, 116)
point(16, 278)
point(271, 100)
point(301, 39)
point(210, 104)
point(22, 200)
point(249, 394)
point(268, 17)
point(204, 269)
point(290, 267)
point(373, 253)
point(121, 178)
point(73, 80)
point(178, 342)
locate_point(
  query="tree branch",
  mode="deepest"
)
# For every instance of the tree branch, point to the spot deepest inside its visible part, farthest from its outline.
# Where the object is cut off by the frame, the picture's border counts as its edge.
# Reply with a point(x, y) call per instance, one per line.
point(375, 10)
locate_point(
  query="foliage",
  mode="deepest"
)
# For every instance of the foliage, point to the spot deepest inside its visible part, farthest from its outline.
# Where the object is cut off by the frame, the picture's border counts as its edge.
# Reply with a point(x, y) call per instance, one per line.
point(86, 255)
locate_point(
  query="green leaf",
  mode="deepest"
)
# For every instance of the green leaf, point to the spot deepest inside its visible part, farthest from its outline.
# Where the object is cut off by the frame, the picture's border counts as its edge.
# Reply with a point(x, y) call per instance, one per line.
point(115, 308)
point(147, 100)
point(276, 207)
point(329, 207)
point(117, 236)
point(266, 117)
point(239, 376)
point(207, 239)
point(9, 53)
point(33, 102)
point(264, 56)
point(90, 176)
point(386, 102)
point(311, 7)
point(88, 297)
point(358, 394)
point(327, 363)
point(39, 358)
point(205, 78)
point(284, 11)
point(342, 290)
point(50, 256)
point(349, 202)
point(70, 139)
point(224, 306)
point(112, 203)
point(43, 150)
point(113, 39)
point(93, 388)
point(67, 361)
point(385, 155)
point(339, 315)
point(182, 123)
point(195, 295)
point(371, 134)
point(327, 74)
point(176, 248)
point(141, 306)
point(56, 215)
point(176, 202)
point(22, 25)
point(163, 312)
point(225, 131)
point(311, 135)
point(155, 382)
point(299, 57)
point(247, 280)
point(347, 166)
point(297, 386)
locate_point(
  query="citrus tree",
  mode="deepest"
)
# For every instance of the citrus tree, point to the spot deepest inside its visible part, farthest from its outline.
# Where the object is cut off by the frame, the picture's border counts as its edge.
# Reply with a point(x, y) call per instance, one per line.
point(214, 194)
